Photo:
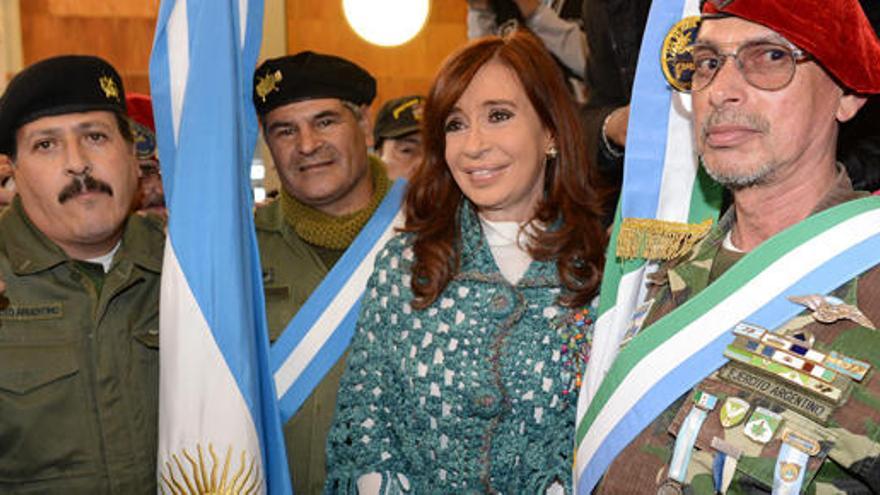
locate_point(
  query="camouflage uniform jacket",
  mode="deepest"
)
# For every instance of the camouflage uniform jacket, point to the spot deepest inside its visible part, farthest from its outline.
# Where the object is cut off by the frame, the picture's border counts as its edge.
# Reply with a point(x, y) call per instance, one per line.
point(849, 459)
point(79, 363)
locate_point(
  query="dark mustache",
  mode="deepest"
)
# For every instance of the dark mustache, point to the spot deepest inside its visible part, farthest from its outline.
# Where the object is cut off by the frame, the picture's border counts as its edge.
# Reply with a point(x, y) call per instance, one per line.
point(81, 184)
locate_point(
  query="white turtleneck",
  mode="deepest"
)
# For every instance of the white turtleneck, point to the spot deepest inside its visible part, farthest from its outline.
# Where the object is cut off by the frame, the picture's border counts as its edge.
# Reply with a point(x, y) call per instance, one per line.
point(510, 255)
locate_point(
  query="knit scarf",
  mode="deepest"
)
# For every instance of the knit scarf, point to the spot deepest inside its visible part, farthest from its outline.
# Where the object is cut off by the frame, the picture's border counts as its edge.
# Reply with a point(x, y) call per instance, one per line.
point(332, 232)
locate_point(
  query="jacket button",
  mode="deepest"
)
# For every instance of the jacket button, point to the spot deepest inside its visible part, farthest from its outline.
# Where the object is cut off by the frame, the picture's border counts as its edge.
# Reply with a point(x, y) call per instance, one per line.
point(486, 403)
point(501, 305)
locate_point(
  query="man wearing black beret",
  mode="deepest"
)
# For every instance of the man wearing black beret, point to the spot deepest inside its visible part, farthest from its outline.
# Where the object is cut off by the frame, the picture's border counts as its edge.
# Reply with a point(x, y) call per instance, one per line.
point(79, 316)
point(313, 112)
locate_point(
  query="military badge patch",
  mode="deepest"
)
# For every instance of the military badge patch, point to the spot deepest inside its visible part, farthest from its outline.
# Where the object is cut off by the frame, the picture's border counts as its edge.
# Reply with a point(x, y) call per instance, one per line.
point(677, 58)
point(829, 309)
point(733, 412)
point(109, 87)
point(762, 425)
point(268, 83)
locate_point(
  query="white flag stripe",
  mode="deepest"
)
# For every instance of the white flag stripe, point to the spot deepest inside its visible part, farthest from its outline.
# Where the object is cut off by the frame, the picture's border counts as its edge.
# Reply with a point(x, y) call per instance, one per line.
point(242, 14)
point(680, 169)
point(608, 334)
point(755, 293)
point(178, 61)
point(198, 370)
point(329, 320)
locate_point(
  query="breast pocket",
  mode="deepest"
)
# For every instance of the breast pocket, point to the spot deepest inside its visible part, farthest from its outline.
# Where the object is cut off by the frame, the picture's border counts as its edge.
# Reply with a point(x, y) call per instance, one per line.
point(46, 430)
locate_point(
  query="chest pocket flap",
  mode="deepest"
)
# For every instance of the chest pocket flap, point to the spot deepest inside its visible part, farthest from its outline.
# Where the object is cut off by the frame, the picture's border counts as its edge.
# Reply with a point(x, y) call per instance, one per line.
point(26, 368)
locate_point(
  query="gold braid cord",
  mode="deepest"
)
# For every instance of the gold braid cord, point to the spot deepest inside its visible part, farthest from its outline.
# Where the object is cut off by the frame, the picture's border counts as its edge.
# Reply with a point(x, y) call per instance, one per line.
point(198, 476)
point(658, 239)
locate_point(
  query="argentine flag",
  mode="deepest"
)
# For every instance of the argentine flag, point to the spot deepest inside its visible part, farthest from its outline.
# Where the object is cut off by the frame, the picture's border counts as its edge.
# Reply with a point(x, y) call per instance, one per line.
point(662, 181)
point(219, 426)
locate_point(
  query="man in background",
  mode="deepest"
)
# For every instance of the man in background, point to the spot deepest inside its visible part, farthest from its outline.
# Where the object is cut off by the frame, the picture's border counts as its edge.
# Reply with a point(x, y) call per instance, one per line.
point(396, 135)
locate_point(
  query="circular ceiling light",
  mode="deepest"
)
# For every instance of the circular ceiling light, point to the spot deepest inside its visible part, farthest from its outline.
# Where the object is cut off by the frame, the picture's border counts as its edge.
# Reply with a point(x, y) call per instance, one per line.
point(386, 22)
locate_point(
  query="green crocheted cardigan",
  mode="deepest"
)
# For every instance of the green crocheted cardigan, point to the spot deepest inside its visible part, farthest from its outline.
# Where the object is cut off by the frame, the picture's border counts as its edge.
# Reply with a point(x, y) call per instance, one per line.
point(470, 394)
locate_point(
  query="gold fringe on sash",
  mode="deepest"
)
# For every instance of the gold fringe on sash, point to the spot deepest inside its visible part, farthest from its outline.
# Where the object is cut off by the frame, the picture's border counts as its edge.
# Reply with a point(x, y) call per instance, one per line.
point(658, 239)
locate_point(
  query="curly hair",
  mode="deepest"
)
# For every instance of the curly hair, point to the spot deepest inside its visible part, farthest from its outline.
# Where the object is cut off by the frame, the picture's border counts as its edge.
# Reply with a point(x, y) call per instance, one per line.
point(570, 204)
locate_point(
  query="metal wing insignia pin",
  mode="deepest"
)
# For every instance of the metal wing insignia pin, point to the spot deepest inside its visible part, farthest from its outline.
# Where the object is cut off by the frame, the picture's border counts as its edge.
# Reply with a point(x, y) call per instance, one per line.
point(828, 309)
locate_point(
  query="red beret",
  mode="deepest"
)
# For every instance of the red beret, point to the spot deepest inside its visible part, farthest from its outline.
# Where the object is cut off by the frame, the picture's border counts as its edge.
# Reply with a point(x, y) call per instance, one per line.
point(835, 32)
point(140, 109)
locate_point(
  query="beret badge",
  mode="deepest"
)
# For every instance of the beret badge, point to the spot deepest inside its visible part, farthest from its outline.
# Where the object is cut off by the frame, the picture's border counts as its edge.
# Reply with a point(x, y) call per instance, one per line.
point(109, 87)
point(268, 84)
point(677, 58)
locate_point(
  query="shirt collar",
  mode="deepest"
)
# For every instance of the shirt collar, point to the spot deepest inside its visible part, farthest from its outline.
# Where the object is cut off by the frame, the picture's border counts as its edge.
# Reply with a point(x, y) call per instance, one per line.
point(30, 251)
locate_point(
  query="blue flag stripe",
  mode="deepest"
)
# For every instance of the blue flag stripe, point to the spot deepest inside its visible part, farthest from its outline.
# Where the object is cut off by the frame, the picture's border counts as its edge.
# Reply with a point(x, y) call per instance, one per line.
point(645, 156)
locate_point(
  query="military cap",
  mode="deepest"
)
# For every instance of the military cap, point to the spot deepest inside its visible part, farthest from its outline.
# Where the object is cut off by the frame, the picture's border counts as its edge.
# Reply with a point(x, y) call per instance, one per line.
point(307, 76)
point(56, 86)
point(836, 33)
point(398, 117)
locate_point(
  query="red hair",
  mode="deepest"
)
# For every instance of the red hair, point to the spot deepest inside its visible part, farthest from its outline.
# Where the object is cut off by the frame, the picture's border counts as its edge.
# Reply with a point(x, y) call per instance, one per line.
point(570, 207)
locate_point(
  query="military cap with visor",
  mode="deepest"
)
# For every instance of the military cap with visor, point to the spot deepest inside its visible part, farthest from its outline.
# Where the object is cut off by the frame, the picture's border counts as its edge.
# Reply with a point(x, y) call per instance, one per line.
point(308, 76)
point(398, 117)
point(57, 86)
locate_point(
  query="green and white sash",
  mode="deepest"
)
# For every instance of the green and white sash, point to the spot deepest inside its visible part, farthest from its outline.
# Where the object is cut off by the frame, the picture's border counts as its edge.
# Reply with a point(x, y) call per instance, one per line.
point(674, 354)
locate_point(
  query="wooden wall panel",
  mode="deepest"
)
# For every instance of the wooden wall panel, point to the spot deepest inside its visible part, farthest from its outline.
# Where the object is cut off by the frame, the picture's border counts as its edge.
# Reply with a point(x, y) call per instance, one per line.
point(320, 25)
point(119, 31)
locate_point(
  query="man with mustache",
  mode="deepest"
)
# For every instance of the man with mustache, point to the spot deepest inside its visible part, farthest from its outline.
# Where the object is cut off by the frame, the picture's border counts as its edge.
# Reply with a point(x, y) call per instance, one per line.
point(79, 339)
point(795, 409)
point(313, 109)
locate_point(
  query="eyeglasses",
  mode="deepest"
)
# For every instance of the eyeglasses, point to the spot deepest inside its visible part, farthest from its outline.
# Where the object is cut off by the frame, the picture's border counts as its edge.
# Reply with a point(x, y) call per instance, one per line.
point(764, 65)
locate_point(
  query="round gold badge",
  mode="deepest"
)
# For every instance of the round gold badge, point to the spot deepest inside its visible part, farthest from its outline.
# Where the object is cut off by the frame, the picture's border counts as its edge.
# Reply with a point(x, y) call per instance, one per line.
point(676, 57)
point(789, 471)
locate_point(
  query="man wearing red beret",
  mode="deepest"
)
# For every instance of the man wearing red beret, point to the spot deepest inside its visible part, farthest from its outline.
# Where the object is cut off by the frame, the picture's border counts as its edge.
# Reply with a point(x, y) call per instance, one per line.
point(796, 409)
point(151, 195)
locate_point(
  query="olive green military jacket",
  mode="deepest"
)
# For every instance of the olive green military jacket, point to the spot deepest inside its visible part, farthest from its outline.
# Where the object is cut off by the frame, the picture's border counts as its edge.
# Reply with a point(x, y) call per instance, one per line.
point(78, 367)
point(292, 269)
point(848, 432)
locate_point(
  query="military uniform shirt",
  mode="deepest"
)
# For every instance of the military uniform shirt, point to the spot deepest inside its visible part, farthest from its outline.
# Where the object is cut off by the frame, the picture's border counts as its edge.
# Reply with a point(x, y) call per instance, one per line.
point(78, 364)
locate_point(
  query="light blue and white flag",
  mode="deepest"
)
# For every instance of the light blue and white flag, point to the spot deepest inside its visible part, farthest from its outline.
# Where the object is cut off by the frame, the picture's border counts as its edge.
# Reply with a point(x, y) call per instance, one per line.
point(662, 181)
point(220, 430)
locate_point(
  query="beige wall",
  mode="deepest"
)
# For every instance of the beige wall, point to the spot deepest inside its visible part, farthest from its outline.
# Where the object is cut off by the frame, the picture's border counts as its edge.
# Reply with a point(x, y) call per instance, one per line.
point(10, 41)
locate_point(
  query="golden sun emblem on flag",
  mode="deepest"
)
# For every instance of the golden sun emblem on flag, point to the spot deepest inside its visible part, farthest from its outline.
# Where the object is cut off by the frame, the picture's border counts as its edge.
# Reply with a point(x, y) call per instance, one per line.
point(108, 86)
point(198, 476)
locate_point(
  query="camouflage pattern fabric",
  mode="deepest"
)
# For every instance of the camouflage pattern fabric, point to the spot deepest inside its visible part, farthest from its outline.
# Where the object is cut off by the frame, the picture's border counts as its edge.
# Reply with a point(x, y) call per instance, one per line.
point(847, 432)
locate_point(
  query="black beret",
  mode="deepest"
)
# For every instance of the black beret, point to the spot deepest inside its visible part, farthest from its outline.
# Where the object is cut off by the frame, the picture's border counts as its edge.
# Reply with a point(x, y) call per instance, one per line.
point(398, 117)
point(307, 76)
point(55, 86)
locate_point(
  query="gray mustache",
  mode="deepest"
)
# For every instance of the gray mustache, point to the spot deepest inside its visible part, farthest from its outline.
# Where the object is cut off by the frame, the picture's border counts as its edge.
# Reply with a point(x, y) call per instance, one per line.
point(750, 120)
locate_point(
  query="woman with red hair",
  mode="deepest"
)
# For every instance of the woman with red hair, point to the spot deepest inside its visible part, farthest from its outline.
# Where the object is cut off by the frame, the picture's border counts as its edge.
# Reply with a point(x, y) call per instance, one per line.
point(475, 324)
